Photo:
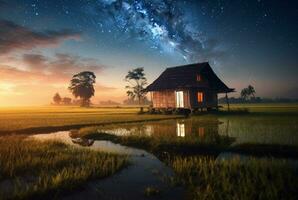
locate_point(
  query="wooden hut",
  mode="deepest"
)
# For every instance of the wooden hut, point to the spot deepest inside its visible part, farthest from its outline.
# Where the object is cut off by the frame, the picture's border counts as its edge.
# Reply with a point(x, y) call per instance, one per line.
point(193, 86)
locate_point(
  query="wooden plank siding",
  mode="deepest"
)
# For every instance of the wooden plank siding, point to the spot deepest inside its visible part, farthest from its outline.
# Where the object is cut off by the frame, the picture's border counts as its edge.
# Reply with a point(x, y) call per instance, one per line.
point(167, 99)
point(164, 99)
point(209, 99)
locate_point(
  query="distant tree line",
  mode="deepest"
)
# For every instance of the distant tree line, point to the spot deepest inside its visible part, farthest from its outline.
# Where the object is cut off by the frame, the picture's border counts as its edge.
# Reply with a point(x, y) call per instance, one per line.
point(247, 95)
point(82, 88)
point(58, 100)
point(109, 103)
point(257, 100)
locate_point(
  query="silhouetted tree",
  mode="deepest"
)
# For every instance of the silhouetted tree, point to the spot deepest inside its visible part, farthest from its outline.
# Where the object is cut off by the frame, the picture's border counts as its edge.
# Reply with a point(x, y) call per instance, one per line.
point(137, 81)
point(66, 100)
point(57, 98)
point(244, 93)
point(82, 85)
point(248, 92)
point(251, 91)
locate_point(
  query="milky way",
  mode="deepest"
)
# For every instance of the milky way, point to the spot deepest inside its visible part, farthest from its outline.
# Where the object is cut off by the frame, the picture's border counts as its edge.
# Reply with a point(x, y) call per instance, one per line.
point(246, 42)
point(163, 25)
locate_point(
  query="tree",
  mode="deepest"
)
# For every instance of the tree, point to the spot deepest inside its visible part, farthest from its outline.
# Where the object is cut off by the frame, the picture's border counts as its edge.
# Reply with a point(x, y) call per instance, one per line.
point(137, 81)
point(251, 91)
point(57, 98)
point(82, 85)
point(66, 100)
point(244, 93)
point(248, 92)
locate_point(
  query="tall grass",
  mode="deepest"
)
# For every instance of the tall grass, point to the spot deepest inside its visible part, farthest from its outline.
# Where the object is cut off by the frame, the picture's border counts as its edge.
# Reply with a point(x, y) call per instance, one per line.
point(207, 178)
point(30, 168)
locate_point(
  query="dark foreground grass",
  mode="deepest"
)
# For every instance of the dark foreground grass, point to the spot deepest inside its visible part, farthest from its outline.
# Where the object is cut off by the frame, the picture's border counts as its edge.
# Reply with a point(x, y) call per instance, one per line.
point(34, 169)
point(271, 150)
point(206, 178)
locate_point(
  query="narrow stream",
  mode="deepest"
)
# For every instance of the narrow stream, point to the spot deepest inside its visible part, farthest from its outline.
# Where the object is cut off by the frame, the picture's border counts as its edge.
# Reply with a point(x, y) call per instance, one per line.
point(130, 183)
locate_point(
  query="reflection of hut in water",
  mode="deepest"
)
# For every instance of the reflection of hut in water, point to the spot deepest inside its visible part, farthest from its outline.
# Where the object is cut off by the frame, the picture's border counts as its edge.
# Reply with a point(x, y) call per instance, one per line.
point(83, 142)
point(186, 128)
point(180, 130)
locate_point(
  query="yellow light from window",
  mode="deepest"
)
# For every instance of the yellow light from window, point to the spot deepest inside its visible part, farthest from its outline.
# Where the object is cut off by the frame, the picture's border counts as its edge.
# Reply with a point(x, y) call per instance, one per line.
point(200, 97)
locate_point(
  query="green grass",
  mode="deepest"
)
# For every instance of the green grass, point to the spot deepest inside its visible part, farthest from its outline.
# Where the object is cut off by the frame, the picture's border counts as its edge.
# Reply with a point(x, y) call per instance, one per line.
point(274, 108)
point(206, 178)
point(30, 168)
point(44, 119)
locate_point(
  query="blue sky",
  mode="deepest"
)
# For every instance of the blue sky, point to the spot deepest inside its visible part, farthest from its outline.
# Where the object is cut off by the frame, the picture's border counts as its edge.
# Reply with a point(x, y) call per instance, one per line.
point(246, 42)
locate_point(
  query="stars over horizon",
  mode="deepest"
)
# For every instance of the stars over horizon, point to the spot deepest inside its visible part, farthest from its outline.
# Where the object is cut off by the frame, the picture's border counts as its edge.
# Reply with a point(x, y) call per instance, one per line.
point(246, 42)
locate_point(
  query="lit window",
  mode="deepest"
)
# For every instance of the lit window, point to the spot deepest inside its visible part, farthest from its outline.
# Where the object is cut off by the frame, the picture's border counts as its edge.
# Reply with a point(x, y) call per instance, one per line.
point(200, 96)
point(199, 78)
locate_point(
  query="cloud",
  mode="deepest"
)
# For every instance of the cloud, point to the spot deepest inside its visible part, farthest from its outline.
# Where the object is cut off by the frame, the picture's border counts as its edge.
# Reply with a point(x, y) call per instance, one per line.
point(14, 37)
point(49, 70)
point(36, 77)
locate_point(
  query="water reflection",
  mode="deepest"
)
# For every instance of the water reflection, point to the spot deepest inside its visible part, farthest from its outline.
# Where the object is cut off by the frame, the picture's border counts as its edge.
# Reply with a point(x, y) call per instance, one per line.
point(180, 130)
point(244, 129)
point(192, 128)
point(83, 142)
point(97, 145)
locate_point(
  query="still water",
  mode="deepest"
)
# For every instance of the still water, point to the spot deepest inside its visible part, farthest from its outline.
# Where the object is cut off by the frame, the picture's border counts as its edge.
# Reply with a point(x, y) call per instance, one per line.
point(130, 183)
point(148, 170)
point(244, 129)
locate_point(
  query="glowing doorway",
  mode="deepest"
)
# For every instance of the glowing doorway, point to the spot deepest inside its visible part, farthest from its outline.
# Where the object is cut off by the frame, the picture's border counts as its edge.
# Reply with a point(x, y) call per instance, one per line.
point(179, 99)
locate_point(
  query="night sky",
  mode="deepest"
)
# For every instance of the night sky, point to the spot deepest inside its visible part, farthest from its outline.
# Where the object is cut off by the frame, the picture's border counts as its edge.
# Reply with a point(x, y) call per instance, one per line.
point(43, 43)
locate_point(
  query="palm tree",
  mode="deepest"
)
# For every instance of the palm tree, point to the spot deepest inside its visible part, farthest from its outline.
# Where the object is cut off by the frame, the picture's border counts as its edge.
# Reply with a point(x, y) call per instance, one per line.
point(248, 92)
point(251, 91)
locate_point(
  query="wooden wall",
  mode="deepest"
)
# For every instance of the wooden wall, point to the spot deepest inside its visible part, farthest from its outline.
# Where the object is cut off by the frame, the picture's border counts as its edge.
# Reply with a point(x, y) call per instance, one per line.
point(209, 99)
point(167, 99)
point(164, 99)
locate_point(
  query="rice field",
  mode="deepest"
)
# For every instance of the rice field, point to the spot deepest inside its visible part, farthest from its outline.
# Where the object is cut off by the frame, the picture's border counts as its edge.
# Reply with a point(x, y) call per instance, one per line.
point(45, 119)
point(207, 178)
point(34, 169)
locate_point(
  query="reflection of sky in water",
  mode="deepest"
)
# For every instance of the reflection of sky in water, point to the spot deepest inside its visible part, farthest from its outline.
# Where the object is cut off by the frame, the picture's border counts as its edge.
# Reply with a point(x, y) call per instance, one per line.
point(245, 129)
point(101, 145)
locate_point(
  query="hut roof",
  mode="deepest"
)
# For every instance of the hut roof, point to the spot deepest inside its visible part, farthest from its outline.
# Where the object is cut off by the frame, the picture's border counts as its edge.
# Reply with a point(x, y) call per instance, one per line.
point(185, 76)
